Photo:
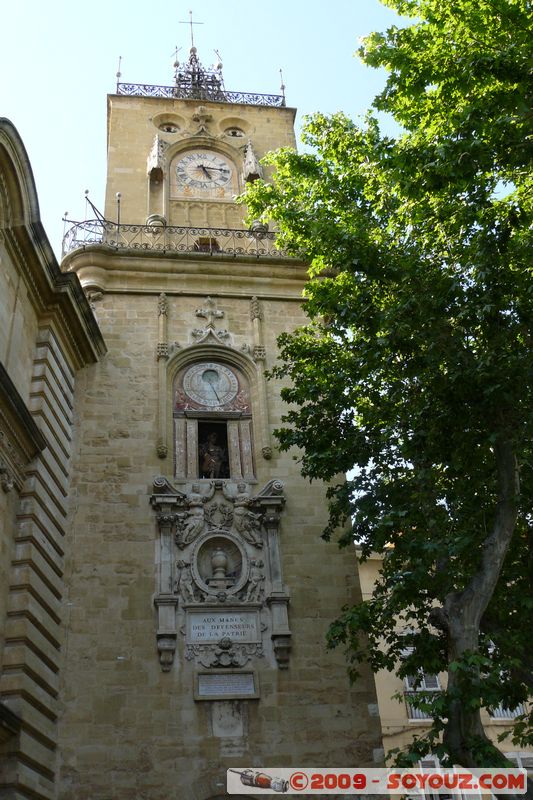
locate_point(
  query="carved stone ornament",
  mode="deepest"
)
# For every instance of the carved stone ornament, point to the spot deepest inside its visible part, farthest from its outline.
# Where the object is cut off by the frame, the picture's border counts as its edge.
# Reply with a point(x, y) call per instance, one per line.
point(219, 547)
point(202, 117)
point(162, 304)
point(259, 353)
point(220, 564)
point(255, 590)
point(224, 654)
point(255, 309)
point(204, 336)
point(162, 449)
point(166, 646)
point(246, 522)
point(210, 333)
point(157, 155)
point(7, 481)
point(162, 351)
point(282, 650)
point(94, 296)
point(252, 169)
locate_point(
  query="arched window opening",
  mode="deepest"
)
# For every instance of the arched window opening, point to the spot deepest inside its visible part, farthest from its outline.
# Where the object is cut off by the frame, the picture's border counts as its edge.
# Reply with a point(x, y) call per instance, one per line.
point(206, 244)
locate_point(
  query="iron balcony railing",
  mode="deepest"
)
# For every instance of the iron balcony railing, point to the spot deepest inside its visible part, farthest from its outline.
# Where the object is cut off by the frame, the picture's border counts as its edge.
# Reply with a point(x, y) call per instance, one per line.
point(257, 242)
point(203, 92)
point(500, 712)
point(412, 711)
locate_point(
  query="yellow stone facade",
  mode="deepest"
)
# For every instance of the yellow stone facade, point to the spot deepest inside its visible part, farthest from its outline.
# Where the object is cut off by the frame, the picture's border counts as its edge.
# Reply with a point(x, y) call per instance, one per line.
point(126, 690)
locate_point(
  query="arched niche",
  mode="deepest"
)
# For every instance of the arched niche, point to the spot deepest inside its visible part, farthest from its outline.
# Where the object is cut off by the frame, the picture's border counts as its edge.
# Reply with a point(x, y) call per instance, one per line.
point(212, 400)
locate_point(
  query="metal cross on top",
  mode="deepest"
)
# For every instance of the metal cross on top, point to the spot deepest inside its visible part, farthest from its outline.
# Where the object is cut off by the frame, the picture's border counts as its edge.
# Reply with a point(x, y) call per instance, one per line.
point(191, 23)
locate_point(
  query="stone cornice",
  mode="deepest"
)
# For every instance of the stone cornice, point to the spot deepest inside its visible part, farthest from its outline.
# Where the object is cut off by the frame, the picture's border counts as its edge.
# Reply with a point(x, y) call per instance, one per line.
point(117, 271)
point(53, 294)
point(225, 107)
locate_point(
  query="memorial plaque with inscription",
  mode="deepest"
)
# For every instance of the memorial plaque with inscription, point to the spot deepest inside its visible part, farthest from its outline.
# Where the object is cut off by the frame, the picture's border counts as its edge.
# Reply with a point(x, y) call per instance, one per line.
point(216, 685)
point(212, 626)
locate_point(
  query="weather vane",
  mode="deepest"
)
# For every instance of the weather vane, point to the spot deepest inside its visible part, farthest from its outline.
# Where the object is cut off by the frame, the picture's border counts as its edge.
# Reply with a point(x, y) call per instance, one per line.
point(191, 23)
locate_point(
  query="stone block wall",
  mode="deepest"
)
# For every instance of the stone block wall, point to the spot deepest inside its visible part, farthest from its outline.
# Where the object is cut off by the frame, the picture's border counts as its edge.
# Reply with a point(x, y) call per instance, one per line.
point(128, 727)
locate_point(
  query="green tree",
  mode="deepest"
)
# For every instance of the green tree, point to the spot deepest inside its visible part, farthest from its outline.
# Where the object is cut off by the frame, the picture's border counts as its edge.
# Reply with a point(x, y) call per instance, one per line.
point(415, 371)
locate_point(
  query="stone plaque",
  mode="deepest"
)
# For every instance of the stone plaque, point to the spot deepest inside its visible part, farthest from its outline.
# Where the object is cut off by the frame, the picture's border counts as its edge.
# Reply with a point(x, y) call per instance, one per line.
point(212, 626)
point(223, 685)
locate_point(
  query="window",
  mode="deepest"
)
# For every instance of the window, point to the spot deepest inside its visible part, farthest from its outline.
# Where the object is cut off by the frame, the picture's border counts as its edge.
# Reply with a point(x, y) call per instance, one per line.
point(206, 244)
point(432, 763)
point(523, 760)
point(237, 133)
point(423, 682)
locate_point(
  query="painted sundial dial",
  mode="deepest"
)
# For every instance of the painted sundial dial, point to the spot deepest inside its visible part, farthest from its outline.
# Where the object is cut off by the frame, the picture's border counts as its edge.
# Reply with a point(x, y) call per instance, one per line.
point(210, 384)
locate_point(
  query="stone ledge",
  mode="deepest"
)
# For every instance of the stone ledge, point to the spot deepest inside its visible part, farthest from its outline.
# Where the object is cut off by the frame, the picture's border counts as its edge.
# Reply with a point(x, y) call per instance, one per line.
point(20, 438)
point(9, 723)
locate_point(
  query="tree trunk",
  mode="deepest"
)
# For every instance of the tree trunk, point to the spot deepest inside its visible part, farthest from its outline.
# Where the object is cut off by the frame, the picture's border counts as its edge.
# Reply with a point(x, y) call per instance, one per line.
point(461, 616)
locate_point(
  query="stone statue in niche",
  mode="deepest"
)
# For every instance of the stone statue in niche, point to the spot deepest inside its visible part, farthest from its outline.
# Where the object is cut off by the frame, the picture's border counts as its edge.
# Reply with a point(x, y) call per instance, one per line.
point(254, 591)
point(245, 521)
point(184, 583)
point(213, 457)
point(191, 524)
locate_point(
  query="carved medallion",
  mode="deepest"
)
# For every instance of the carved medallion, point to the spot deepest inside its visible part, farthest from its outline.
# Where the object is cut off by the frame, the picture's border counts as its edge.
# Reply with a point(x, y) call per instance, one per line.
point(220, 564)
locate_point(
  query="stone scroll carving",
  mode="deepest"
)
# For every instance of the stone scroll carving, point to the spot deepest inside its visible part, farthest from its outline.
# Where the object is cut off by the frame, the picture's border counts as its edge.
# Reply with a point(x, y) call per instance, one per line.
point(225, 653)
point(219, 573)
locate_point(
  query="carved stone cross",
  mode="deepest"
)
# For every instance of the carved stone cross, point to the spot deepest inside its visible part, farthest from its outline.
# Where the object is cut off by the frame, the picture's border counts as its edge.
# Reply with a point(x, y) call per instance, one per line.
point(211, 313)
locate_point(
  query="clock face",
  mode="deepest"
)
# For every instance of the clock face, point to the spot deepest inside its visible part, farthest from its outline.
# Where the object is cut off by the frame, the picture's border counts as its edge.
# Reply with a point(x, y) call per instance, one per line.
point(210, 384)
point(203, 169)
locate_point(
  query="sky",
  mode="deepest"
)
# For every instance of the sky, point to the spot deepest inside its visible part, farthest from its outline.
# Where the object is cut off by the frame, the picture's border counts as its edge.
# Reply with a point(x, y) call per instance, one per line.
point(59, 59)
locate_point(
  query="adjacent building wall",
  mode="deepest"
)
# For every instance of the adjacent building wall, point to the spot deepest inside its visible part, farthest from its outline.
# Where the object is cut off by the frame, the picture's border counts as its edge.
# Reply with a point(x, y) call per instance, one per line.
point(48, 333)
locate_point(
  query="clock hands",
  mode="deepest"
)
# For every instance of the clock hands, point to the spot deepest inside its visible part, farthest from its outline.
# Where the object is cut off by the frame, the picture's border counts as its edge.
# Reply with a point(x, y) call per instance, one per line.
point(207, 169)
point(198, 171)
point(210, 380)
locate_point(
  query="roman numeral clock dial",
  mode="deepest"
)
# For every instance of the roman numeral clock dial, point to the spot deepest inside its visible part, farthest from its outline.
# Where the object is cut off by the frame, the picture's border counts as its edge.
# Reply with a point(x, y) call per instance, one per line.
point(204, 170)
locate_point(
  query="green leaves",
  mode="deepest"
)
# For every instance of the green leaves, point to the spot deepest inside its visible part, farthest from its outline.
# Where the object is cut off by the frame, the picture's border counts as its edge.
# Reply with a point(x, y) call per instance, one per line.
point(416, 366)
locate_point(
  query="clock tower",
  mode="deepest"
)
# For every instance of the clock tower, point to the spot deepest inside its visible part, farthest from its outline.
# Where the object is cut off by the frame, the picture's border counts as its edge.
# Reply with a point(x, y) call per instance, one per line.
point(199, 590)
